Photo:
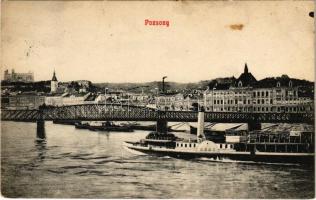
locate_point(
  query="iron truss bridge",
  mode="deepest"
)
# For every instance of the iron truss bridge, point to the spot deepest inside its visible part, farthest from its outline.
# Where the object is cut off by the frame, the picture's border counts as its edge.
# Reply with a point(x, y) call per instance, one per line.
point(99, 112)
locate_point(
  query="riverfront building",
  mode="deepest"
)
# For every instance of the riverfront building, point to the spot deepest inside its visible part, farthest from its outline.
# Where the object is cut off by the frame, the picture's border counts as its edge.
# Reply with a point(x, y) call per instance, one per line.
point(64, 99)
point(18, 77)
point(246, 94)
point(22, 101)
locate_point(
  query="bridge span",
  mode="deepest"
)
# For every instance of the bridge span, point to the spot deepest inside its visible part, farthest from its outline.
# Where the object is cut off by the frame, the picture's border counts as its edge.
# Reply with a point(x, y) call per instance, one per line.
point(101, 112)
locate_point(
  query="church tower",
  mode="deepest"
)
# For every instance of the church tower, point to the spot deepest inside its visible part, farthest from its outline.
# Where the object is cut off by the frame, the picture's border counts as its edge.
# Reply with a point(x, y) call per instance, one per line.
point(53, 84)
point(246, 69)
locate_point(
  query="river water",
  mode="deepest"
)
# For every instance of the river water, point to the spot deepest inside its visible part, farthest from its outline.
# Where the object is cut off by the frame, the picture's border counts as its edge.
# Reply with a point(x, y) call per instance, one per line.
point(85, 164)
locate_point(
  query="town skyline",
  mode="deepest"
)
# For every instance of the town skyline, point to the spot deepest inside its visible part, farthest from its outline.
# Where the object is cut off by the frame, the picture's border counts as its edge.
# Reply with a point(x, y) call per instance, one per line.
point(60, 79)
point(101, 45)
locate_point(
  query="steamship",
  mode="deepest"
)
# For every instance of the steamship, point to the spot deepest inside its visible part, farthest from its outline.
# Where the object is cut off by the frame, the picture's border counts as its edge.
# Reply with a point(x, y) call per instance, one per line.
point(257, 146)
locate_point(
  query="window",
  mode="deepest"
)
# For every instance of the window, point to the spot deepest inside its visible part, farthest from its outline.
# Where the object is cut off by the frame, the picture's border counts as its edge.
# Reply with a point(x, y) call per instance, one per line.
point(225, 146)
point(278, 84)
point(239, 84)
point(181, 145)
point(185, 145)
point(189, 145)
point(267, 93)
point(220, 146)
point(290, 84)
point(271, 101)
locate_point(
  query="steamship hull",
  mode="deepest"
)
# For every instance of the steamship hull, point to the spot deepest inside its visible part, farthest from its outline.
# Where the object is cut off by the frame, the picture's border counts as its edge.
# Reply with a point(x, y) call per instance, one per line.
point(260, 157)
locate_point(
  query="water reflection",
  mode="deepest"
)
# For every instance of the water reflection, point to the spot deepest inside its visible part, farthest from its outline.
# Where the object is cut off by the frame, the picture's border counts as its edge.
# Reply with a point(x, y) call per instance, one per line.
point(41, 149)
point(40, 130)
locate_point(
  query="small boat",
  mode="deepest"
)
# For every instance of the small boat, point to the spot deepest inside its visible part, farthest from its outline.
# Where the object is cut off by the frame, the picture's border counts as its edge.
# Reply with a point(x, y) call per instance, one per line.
point(65, 122)
point(80, 125)
point(152, 127)
point(103, 126)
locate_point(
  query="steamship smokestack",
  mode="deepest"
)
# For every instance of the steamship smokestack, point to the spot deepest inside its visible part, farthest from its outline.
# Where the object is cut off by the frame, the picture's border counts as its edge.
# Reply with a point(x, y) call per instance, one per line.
point(200, 126)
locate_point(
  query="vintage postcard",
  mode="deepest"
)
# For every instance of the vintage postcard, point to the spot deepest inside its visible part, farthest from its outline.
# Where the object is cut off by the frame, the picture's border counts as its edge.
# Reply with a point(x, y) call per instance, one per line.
point(157, 99)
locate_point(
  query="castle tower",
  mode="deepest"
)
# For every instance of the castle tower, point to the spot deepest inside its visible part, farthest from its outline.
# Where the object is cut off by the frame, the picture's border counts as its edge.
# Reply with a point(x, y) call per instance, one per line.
point(53, 84)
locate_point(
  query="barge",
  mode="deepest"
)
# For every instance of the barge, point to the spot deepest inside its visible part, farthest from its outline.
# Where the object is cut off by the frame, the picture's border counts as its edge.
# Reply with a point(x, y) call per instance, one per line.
point(103, 126)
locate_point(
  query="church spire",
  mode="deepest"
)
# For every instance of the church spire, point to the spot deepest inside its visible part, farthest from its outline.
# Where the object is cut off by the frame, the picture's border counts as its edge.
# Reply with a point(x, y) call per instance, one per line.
point(246, 69)
point(54, 77)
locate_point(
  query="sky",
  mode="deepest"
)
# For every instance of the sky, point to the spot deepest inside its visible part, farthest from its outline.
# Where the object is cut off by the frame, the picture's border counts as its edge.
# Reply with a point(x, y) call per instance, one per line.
point(108, 41)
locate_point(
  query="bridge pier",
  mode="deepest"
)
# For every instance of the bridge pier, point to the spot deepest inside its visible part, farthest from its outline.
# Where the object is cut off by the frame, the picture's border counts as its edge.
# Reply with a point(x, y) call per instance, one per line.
point(162, 126)
point(40, 130)
point(40, 126)
point(254, 126)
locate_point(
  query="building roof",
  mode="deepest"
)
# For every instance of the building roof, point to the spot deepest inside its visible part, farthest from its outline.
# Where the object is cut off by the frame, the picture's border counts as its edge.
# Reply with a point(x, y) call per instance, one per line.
point(169, 94)
point(283, 81)
point(246, 78)
point(74, 94)
point(91, 97)
point(222, 83)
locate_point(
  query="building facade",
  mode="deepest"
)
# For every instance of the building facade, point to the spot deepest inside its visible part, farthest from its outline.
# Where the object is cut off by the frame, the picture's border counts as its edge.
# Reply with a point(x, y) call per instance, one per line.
point(18, 77)
point(68, 99)
point(23, 101)
point(246, 94)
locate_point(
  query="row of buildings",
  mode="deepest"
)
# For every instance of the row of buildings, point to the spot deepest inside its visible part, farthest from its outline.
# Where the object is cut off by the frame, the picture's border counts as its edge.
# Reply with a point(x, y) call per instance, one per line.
point(246, 94)
point(242, 94)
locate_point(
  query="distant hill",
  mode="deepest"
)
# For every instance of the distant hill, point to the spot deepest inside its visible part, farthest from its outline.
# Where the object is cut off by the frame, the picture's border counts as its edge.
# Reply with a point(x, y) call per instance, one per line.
point(151, 86)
